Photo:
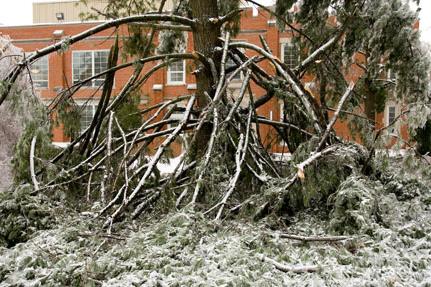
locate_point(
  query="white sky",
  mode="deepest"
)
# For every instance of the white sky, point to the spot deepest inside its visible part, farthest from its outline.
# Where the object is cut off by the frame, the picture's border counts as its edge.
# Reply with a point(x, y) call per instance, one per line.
point(19, 12)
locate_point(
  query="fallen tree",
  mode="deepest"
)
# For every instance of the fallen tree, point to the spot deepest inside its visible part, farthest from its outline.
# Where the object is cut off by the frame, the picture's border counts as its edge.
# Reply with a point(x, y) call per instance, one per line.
point(225, 163)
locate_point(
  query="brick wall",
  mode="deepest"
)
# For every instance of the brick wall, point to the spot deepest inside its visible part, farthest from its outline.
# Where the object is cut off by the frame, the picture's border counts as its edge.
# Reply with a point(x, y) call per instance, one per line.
point(31, 38)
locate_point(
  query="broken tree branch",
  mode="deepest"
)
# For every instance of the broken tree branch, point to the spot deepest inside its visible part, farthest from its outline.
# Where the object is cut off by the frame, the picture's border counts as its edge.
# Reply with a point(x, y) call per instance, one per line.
point(33, 175)
point(335, 116)
point(285, 268)
point(313, 238)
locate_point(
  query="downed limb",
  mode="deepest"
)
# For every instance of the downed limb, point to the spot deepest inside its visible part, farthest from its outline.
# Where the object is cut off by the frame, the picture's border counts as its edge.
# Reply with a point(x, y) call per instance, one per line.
point(285, 268)
point(231, 150)
point(312, 238)
point(314, 156)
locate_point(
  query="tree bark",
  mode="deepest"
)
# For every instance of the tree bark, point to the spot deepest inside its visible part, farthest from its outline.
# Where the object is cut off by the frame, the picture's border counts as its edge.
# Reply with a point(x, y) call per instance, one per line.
point(205, 38)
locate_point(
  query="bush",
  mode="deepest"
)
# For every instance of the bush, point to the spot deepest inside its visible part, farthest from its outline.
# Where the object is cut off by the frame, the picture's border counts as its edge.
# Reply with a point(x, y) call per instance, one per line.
point(354, 206)
point(22, 214)
point(323, 177)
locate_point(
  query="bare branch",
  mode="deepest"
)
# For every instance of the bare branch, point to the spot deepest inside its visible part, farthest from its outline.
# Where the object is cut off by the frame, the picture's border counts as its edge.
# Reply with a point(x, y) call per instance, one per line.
point(33, 175)
point(313, 238)
point(335, 116)
point(285, 268)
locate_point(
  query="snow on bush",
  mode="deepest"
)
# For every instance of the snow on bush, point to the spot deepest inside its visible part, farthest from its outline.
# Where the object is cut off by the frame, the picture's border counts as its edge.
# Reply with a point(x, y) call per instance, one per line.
point(21, 110)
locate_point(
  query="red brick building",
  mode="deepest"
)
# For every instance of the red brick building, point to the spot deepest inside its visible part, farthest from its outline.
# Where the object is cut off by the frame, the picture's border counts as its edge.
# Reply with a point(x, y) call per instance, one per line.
point(88, 57)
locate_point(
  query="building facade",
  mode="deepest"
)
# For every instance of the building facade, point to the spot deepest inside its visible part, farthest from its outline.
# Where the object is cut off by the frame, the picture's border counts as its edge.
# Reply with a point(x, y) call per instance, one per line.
point(88, 57)
point(67, 11)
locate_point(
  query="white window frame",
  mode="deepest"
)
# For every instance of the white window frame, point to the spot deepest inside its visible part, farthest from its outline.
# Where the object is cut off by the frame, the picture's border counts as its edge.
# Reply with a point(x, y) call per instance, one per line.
point(31, 74)
point(175, 116)
point(93, 85)
point(255, 11)
point(179, 116)
point(80, 105)
point(393, 130)
point(283, 43)
point(169, 77)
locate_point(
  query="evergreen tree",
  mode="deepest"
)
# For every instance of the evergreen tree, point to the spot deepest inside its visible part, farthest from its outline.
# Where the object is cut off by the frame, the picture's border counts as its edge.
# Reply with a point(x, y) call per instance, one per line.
point(381, 37)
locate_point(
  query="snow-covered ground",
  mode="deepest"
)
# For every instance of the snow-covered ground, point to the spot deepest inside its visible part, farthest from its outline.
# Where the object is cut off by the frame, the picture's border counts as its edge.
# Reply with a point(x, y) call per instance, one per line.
point(387, 223)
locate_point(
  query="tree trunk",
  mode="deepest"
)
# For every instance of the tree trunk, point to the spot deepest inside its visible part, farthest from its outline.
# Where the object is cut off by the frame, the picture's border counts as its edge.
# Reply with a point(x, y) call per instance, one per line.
point(205, 37)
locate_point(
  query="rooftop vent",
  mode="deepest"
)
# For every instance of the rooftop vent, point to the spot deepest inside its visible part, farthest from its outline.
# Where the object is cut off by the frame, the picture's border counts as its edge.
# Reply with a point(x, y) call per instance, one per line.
point(59, 16)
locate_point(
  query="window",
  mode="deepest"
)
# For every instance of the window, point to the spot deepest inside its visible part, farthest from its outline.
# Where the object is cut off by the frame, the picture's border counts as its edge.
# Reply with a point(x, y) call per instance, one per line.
point(39, 73)
point(87, 112)
point(229, 64)
point(281, 111)
point(175, 116)
point(290, 55)
point(391, 114)
point(86, 64)
point(255, 11)
point(176, 73)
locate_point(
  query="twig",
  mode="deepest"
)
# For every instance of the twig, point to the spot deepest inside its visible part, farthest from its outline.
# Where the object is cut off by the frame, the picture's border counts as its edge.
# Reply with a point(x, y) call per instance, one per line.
point(280, 124)
point(33, 175)
point(240, 97)
point(285, 268)
point(89, 186)
point(312, 158)
point(106, 177)
point(313, 238)
point(126, 176)
point(180, 198)
point(103, 235)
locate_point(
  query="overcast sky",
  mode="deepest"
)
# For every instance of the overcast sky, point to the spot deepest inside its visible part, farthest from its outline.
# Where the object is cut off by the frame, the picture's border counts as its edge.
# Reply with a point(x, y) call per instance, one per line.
point(19, 12)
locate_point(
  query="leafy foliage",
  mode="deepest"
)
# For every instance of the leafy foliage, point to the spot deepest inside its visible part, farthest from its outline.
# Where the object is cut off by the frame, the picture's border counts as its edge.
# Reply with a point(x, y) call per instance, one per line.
point(44, 149)
point(128, 112)
point(354, 206)
point(23, 214)
point(69, 115)
point(378, 36)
